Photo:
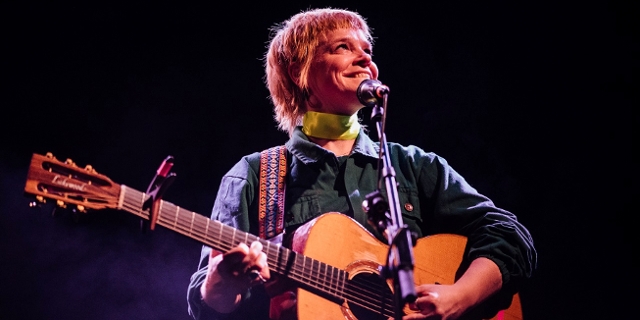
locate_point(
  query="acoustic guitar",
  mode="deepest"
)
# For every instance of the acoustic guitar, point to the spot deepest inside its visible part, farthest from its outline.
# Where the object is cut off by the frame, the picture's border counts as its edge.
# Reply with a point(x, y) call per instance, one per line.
point(333, 260)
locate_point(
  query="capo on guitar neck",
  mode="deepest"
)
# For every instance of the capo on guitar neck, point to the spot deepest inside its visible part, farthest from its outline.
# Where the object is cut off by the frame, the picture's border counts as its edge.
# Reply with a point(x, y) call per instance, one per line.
point(161, 181)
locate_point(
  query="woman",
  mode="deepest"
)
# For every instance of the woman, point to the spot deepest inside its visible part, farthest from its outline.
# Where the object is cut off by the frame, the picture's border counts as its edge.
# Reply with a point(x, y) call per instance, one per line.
point(315, 62)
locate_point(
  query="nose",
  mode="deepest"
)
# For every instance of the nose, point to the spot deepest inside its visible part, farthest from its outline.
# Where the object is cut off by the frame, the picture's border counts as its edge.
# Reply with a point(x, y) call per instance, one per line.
point(363, 58)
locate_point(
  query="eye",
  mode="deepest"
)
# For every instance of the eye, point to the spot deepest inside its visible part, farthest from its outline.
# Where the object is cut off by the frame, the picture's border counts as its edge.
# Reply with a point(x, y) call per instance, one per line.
point(342, 46)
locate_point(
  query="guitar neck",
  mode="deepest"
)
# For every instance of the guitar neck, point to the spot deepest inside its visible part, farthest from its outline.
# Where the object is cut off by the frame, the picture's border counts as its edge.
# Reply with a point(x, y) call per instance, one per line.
point(306, 272)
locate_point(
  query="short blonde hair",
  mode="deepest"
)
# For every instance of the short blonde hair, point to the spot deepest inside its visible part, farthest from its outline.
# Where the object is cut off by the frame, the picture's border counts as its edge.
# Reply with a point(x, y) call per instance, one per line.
point(294, 41)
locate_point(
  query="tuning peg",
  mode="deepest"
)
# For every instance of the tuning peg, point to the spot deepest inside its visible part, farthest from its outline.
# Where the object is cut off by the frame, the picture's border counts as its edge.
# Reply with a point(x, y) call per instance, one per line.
point(61, 204)
point(70, 162)
point(81, 208)
point(38, 202)
point(90, 168)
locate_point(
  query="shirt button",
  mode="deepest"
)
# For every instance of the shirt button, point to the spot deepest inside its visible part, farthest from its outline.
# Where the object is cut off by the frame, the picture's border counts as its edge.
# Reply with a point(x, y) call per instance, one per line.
point(408, 206)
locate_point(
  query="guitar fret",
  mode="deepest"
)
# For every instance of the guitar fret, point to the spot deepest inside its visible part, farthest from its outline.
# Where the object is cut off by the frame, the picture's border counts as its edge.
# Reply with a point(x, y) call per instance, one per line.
point(206, 231)
point(322, 276)
point(220, 236)
point(193, 216)
point(266, 246)
point(275, 258)
point(329, 273)
point(333, 286)
point(181, 223)
point(315, 276)
point(304, 267)
point(341, 281)
point(298, 267)
point(203, 225)
point(196, 227)
point(289, 254)
point(299, 273)
point(175, 218)
point(278, 263)
point(186, 223)
point(142, 195)
point(160, 210)
point(304, 275)
point(121, 196)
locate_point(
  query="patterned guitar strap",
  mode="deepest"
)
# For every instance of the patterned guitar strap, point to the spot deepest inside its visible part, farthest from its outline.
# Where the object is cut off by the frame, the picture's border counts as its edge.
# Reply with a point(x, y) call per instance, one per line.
point(273, 171)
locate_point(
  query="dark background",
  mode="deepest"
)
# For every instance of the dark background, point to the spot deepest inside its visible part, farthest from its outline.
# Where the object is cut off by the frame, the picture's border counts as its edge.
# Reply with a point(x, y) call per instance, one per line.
point(530, 101)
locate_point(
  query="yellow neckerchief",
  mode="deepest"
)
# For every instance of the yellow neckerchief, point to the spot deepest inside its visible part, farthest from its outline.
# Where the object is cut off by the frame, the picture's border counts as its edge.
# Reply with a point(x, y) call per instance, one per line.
point(330, 126)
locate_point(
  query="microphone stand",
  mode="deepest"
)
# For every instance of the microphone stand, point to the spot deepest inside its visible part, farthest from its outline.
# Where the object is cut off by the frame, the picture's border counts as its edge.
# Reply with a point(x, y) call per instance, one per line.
point(386, 216)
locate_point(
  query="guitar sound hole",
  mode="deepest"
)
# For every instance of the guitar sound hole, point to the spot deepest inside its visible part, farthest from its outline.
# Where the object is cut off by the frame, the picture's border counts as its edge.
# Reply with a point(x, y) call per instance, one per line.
point(375, 308)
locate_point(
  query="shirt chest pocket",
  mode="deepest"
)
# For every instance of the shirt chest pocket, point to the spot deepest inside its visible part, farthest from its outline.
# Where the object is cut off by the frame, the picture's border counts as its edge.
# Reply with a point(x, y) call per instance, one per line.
point(302, 208)
point(410, 208)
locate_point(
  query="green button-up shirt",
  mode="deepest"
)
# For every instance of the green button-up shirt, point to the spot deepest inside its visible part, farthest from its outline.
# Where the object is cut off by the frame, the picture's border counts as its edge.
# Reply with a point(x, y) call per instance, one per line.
point(432, 197)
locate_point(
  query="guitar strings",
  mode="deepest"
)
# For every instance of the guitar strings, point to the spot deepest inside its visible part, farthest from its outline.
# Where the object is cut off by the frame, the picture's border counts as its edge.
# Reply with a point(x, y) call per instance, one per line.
point(187, 226)
point(360, 291)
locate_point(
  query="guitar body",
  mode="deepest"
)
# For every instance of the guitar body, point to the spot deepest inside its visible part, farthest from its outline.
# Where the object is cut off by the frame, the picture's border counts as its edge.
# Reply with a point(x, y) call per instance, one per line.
point(338, 240)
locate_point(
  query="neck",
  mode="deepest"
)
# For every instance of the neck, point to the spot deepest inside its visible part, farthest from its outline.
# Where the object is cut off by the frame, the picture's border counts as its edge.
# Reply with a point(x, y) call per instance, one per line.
point(330, 126)
point(335, 133)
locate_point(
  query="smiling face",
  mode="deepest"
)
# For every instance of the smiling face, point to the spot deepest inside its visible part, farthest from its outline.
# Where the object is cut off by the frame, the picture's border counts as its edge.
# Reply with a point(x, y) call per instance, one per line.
point(341, 62)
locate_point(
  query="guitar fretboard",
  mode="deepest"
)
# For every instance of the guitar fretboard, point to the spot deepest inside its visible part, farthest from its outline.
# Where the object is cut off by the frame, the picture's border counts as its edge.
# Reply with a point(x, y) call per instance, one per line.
point(310, 274)
point(306, 272)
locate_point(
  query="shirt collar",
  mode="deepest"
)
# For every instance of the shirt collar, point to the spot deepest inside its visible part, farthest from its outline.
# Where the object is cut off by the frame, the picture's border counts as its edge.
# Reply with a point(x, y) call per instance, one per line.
point(308, 152)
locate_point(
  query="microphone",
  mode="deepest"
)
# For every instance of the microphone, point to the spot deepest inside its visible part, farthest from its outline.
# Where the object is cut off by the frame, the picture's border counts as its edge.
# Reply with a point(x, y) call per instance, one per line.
point(370, 92)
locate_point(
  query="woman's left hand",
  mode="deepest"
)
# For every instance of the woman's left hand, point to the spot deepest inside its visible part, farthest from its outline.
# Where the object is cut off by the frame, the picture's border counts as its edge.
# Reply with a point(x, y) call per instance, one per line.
point(442, 302)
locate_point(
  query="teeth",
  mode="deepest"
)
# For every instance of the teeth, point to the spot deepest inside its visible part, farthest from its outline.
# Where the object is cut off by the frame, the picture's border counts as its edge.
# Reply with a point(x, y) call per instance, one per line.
point(362, 75)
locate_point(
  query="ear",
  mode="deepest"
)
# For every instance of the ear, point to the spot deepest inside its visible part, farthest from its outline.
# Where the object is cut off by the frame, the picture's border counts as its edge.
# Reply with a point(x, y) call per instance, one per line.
point(294, 73)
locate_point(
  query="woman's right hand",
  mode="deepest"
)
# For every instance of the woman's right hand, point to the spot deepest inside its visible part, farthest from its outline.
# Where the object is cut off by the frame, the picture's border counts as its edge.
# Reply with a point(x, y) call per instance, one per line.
point(231, 274)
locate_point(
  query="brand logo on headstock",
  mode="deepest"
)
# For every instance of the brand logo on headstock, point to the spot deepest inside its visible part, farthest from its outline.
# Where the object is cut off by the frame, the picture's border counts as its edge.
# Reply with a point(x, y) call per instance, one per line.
point(64, 182)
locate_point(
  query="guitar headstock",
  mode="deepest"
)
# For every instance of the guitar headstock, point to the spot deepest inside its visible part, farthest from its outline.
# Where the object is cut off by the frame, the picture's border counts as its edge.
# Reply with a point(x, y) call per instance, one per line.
point(66, 183)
